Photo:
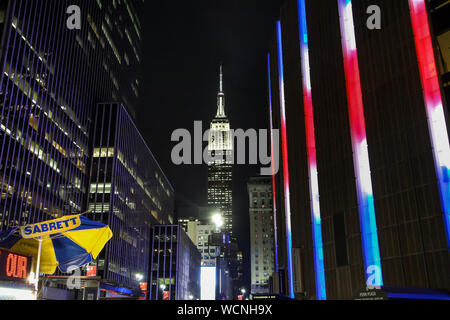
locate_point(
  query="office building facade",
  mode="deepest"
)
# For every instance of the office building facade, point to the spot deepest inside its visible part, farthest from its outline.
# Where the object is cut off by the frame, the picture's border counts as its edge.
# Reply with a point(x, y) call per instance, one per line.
point(262, 242)
point(175, 265)
point(51, 79)
point(362, 200)
point(439, 12)
point(129, 192)
point(61, 153)
point(201, 233)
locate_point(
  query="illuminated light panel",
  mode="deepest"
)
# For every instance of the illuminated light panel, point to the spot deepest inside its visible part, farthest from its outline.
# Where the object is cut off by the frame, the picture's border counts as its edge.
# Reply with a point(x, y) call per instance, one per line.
point(366, 205)
point(311, 151)
point(273, 171)
point(433, 104)
point(208, 283)
point(285, 163)
point(16, 294)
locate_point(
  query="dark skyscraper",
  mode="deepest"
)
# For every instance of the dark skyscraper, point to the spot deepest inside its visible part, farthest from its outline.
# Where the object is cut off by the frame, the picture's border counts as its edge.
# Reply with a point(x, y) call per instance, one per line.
point(175, 265)
point(64, 148)
point(220, 167)
point(363, 196)
point(129, 192)
point(51, 80)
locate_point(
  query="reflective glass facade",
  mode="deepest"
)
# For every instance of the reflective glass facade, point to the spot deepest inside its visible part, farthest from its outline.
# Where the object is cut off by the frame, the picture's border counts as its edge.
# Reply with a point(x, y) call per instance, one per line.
point(175, 265)
point(128, 191)
point(51, 78)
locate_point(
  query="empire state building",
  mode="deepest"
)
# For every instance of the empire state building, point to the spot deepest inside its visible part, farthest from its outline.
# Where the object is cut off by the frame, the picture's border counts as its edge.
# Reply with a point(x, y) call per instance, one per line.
point(220, 165)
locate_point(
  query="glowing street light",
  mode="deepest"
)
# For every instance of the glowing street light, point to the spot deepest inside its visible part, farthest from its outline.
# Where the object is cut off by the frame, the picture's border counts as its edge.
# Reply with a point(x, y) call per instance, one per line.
point(139, 276)
point(218, 220)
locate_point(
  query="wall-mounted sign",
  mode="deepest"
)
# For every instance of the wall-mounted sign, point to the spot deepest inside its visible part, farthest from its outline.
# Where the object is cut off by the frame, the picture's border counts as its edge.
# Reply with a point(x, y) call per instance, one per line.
point(91, 271)
point(143, 286)
point(14, 266)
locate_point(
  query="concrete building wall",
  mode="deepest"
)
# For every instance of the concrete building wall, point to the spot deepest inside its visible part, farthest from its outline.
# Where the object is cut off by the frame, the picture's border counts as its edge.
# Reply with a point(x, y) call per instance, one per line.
point(262, 252)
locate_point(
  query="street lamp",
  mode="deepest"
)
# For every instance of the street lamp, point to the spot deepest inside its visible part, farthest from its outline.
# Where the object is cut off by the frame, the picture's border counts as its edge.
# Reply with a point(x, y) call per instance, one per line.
point(218, 220)
point(243, 291)
point(139, 276)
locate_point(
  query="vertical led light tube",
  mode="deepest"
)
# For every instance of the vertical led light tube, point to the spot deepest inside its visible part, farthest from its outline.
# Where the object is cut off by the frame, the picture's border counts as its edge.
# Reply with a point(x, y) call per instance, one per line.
point(433, 104)
point(275, 227)
point(311, 151)
point(366, 205)
point(285, 162)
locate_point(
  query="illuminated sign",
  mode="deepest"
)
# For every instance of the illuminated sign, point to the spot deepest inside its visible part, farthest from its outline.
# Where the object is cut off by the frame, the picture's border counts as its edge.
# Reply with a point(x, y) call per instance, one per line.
point(14, 266)
point(208, 283)
point(166, 295)
point(91, 271)
point(47, 228)
point(143, 286)
point(16, 294)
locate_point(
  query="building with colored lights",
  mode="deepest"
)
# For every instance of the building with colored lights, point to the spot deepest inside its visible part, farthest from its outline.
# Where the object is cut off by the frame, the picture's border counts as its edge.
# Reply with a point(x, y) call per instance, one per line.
point(439, 13)
point(262, 252)
point(363, 199)
point(175, 265)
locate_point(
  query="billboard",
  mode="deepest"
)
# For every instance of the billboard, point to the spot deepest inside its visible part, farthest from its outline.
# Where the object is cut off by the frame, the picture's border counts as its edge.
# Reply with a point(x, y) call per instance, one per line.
point(208, 283)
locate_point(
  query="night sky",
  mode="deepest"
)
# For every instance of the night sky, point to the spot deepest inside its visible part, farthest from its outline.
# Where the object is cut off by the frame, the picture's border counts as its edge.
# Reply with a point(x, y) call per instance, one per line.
point(184, 43)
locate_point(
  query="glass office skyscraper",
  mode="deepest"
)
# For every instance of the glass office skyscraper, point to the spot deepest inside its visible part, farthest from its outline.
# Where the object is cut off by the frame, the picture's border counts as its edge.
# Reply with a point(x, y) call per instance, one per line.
point(175, 265)
point(129, 192)
point(51, 79)
point(62, 150)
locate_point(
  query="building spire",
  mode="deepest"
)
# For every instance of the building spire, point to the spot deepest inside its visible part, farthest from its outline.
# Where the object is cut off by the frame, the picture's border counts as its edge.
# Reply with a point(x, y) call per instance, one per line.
point(221, 78)
point(221, 97)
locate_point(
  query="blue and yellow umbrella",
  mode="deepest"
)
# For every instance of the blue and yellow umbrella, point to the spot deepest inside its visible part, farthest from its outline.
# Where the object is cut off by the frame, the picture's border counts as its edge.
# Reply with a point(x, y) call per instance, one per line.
point(68, 243)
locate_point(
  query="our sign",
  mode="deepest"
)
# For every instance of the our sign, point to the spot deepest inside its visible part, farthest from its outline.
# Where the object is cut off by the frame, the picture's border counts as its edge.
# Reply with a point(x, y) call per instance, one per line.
point(47, 228)
point(14, 266)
